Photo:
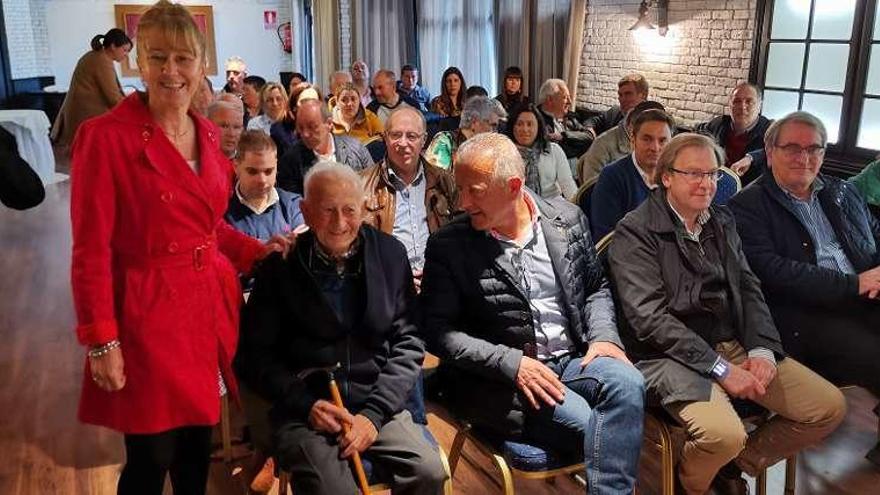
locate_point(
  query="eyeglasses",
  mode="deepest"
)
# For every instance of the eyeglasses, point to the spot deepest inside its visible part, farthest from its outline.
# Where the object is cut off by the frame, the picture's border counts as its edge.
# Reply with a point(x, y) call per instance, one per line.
point(793, 150)
point(697, 177)
point(411, 137)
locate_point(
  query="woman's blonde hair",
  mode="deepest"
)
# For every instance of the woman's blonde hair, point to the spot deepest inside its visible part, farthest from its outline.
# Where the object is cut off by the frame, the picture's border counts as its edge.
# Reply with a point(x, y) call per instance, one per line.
point(264, 93)
point(173, 23)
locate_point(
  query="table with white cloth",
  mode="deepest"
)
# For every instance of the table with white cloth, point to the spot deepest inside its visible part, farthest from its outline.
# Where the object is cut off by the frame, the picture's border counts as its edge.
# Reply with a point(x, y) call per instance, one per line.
point(31, 131)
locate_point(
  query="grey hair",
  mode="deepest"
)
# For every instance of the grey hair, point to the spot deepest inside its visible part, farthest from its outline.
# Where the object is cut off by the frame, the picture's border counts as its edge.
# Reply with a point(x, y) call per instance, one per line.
point(747, 84)
point(480, 108)
point(218, 105)
point(549, 88)
point(333, 171)
point(771, 137)
point(506, 159)
point(406, 109)
point(673, 148)
point(386, 73)
point(325, 110)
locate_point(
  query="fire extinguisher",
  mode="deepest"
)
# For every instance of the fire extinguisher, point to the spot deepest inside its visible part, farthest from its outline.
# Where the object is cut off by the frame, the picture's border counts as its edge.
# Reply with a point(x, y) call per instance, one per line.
point(285, 35)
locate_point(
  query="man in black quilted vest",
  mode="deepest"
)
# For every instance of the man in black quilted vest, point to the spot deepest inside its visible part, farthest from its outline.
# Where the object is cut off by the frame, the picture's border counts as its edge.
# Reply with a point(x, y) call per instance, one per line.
point(519, 310)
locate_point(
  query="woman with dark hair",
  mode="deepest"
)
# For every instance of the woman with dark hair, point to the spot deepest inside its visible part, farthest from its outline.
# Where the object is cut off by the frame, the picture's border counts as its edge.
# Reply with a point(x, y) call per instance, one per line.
point(451, 99)
point(94, 88)
point(512, 96)
point(155, 266)
point(547, 170)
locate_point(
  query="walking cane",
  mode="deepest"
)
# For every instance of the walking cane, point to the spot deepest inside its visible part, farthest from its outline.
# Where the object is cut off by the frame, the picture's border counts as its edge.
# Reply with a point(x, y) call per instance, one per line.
point(357, 464)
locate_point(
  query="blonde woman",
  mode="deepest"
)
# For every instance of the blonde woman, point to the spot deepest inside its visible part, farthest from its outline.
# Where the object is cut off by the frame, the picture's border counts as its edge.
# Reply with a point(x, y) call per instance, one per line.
point(273, 100)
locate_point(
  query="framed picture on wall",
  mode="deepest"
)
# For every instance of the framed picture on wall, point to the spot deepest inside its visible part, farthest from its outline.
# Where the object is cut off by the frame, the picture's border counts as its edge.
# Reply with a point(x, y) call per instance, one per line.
point(128, 16)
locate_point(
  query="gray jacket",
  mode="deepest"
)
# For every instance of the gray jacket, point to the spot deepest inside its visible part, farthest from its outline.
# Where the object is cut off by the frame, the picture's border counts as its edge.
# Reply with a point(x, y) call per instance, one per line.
point(610, 146)
point(658, 284)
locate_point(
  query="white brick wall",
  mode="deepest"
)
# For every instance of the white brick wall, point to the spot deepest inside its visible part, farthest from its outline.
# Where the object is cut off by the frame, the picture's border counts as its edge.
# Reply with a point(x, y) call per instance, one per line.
point(345, 16)
point(27, 37)
point(691, 71)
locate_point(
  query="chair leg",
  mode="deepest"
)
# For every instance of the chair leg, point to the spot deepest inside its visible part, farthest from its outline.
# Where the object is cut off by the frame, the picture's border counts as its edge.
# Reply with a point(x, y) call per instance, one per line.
point(667, 460)
point(447, 485)
point(283, 482)
point(790, 474)
point(506, 476)
point(225, 429)
point(455, 450)
point(761, 483)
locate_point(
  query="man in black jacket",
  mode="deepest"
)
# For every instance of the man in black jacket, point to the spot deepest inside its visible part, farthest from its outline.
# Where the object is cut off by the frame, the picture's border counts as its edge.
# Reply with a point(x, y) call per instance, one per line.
point(632, 89)
point(561, 124)
point(514, 297)
point(317, 143)
point(741, 132)
point(343, 295)
point(814, 244)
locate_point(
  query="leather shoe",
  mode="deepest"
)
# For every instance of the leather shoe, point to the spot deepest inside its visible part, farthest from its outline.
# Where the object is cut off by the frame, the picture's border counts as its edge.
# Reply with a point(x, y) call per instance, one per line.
point(729, 481)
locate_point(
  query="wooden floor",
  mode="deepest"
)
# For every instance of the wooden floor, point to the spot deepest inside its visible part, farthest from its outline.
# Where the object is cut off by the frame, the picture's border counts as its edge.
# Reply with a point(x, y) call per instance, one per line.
point(43, 450)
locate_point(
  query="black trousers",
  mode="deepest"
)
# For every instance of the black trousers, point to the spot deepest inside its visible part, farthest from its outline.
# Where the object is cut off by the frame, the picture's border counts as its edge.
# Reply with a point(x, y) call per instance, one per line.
point(184, 453)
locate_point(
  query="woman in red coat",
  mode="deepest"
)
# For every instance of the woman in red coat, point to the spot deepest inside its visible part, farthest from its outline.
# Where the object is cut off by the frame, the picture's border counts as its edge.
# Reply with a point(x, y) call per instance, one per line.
point(154, 268)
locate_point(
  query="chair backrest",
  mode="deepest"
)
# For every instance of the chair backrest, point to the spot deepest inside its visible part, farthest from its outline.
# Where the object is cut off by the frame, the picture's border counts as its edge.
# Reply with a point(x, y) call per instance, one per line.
point(728, 185)
point(582, 196)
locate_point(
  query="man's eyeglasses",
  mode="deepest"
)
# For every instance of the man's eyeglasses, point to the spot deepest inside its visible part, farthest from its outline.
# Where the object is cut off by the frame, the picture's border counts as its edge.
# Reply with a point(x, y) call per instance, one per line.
point(793, 150)
point(411, 137)
point(697, 177)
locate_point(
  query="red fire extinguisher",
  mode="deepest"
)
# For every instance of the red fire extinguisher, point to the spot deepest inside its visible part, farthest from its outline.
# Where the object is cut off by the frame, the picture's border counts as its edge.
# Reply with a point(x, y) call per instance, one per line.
point(285, 35)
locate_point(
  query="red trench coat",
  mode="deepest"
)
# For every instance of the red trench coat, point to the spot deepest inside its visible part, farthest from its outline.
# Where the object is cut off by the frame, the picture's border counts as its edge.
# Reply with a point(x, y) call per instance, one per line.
point(153, 266)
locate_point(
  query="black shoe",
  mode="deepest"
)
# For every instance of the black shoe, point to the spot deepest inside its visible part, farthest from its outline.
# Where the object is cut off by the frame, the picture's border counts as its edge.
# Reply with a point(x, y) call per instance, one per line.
point(729, 481)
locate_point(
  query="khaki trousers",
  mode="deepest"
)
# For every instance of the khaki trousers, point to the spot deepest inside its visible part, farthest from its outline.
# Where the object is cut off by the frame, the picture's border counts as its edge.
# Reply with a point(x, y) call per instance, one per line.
point(807, 409)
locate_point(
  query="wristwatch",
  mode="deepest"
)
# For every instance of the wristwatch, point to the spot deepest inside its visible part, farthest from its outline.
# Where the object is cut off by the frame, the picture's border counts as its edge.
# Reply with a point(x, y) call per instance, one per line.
point(720, 370)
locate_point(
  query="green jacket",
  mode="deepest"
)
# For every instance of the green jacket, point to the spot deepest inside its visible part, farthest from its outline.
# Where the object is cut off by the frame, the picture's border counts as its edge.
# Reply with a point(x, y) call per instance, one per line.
point(868, 183)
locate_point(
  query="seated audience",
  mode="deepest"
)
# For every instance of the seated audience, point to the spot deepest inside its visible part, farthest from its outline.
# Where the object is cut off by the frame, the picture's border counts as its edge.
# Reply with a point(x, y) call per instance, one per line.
point(513, 295)
point(273, 106)
point(741, 132)
point(407, 196)
point(868, 182)
point(347, 290)
point(295, 79)
point(814, 244)
point(236, 71)
point(480, 114)
point(317, 143)
point(409, 86)
point(227, 115)
point(626, 183)
point(360, 77)
point(632, 89)
point(352, 119)
point(386, 99)
point(511, 95)
point(451, 99)
point(203, 97)
point(337, 80)
point(701, 333)
point(611, 145)
point(547, 170)
point(562, 126)
point(250, 96)
point(257, 207)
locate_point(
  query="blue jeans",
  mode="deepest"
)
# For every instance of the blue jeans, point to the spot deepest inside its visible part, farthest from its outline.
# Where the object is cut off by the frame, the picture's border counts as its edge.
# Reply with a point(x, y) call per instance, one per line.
point(604, 406)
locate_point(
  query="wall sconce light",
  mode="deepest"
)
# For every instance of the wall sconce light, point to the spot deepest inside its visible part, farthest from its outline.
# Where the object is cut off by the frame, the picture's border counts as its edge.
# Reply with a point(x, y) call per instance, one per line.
point(662, 16)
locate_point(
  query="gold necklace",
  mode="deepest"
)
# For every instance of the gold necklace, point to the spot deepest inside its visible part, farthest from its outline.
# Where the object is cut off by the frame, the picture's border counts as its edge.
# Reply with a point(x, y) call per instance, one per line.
point(175, 136)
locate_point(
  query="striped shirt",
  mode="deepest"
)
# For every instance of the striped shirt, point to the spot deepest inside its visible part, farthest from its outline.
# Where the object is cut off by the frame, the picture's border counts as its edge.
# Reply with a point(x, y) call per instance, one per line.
point(829, 252)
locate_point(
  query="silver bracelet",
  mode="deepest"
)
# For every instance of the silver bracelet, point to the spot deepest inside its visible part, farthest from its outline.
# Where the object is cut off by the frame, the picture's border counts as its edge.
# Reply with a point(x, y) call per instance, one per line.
point(104, 349)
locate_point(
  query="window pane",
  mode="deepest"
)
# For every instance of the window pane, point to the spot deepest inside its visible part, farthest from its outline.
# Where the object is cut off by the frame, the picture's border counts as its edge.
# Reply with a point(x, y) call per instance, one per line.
point(785, 62)
point(877, 24)
point(790, 19)
point(826, 69)
point(873, 86)
point(833, 19)
point(827, 108)
point(778, 104)
point(869, 130)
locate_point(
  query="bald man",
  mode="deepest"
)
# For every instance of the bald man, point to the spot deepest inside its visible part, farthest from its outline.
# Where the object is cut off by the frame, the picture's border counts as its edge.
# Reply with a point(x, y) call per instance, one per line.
point(386, 99)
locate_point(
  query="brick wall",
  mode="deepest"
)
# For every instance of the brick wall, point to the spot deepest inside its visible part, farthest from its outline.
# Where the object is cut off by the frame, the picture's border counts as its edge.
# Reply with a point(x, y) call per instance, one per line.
point(691, 70)
point(345, 16)
point(27, 38)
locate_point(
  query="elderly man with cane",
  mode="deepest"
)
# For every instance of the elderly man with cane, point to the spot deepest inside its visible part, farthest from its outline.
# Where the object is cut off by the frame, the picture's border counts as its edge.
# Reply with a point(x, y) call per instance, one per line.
point(314, 309)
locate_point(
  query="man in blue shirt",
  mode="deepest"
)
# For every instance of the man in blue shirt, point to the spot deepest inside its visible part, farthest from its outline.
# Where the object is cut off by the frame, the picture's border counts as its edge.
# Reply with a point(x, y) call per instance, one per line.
point(409, 86)
point(257, 207)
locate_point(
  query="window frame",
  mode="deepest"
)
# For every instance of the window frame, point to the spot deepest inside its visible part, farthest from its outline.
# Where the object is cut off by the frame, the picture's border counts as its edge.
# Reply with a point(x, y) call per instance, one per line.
point(844, 157)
